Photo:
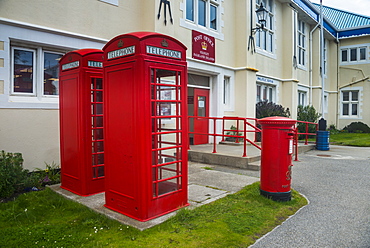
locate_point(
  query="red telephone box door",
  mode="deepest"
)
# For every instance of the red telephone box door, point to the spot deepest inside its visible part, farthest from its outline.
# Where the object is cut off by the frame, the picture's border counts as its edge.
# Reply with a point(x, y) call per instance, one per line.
point(201, 109)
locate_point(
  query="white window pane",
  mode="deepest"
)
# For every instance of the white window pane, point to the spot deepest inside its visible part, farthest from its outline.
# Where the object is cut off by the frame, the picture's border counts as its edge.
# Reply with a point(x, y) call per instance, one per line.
point(213, 21)
point(362, 53)
point(345, 95)
point(344, 55)
point(258, 93)
point(345, 109)
point(354, 109)
point(270, 42)
point(270, 94)
point(23, 72)
point(353, 54)
point(202, 13)
point(51, 73)
point(190, 10)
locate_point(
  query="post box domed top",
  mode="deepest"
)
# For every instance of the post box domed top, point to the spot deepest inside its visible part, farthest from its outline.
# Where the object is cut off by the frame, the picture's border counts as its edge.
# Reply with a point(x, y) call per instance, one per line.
point(144, 43)
point(82, 58)
point(277, 121)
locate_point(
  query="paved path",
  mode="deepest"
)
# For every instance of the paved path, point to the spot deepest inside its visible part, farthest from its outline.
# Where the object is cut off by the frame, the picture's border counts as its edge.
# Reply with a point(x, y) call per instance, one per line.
point(337, 184)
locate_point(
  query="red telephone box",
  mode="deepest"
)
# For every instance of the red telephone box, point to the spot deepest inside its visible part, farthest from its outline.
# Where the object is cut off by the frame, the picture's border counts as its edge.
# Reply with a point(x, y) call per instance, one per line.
point(81, 121)
point(145, 76)
point(276, 157)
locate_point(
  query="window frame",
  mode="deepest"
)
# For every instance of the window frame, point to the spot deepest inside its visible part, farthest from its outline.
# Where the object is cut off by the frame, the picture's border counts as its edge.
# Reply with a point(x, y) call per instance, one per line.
point(34, 71)
point(270, 91)
point(38, 72)
point(350, 103)
point(43, 68)
point(269, 31)
point(302, 101)
point(358, 59)
point(192, 21)
point(302, 44)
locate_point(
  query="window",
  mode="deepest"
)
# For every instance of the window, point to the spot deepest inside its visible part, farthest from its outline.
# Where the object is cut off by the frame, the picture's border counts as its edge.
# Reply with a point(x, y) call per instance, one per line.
point(350, 103)
point(354, 54)
point(301, 43)
point(265, 37)
point(302, 98)
point(203, 13)
point(363, 53)
point(35, 72)
point(226, 99)
point(265, 93)
point(51, 73)
point(190, 10)
point(24, 61)
point(204, 16)
point(344, 55)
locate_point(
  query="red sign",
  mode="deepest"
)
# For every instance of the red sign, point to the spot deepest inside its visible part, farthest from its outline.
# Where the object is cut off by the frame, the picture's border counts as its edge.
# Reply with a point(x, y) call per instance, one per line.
point(203, 47)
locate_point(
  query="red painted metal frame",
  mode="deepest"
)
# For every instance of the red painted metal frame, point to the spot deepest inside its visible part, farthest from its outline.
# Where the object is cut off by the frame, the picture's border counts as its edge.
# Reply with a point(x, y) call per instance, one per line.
point(140, 167)
point(306, 135)
point(246, 124)
point(81, 173)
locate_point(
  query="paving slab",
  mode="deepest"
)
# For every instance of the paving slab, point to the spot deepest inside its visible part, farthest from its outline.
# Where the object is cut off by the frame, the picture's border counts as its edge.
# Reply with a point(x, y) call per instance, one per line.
point(205, 186)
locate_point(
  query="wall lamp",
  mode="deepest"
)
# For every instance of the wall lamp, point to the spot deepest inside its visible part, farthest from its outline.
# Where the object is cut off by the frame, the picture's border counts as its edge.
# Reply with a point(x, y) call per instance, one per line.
point(261, 13)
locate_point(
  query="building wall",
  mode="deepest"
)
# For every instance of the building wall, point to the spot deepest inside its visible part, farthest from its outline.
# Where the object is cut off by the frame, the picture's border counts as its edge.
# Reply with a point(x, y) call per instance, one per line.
point(33, 133)
point(354, 76)
point(65, 25)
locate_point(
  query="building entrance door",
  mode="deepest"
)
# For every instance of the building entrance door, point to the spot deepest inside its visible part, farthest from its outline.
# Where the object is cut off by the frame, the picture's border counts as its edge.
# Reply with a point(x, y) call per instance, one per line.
point(201, 109)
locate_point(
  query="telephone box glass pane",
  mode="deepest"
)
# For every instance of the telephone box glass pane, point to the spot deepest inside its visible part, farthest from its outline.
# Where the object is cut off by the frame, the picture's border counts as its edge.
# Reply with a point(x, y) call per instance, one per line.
point(99, 83)
point(97, 121)
point(97, 134)
point(98, 159)
point(97, 147)
point(168, 186)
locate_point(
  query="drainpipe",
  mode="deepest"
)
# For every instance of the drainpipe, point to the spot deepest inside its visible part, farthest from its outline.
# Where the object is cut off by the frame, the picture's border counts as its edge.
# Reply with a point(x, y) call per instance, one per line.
point(322, 63)
point(310, 74)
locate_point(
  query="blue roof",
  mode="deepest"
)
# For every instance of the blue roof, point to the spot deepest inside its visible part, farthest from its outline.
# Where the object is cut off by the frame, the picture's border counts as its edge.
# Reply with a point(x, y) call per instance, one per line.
point(343, 19)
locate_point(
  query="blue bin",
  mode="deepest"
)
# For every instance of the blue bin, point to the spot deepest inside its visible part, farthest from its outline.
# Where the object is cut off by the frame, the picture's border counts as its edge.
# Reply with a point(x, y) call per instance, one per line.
point(322, 140)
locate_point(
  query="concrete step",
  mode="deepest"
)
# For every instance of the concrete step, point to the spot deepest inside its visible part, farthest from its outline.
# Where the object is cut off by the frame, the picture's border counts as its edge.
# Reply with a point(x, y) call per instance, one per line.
point(231, 155)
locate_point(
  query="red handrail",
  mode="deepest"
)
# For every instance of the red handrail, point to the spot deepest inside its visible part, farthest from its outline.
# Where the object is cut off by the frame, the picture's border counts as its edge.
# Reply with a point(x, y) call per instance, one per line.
point(237, 131)
point(306, 135)
point(246, 123)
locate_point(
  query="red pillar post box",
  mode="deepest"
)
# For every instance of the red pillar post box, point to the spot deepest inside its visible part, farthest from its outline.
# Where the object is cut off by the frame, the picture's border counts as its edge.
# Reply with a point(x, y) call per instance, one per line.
point(145, 75)
point(81, 121)
point(276, 157)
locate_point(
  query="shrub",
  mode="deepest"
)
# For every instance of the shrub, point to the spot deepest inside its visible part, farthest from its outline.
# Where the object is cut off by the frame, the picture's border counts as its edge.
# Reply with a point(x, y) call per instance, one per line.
point(333, 129)
point(307, 113)
point(357, 127)
point(12, 174)
point(267, 109)
point(49, 176)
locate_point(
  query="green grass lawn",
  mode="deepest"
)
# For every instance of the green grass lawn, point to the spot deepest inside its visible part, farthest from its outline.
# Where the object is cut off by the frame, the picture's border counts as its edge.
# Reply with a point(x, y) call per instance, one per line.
point(46, 219)
point(350, 139)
